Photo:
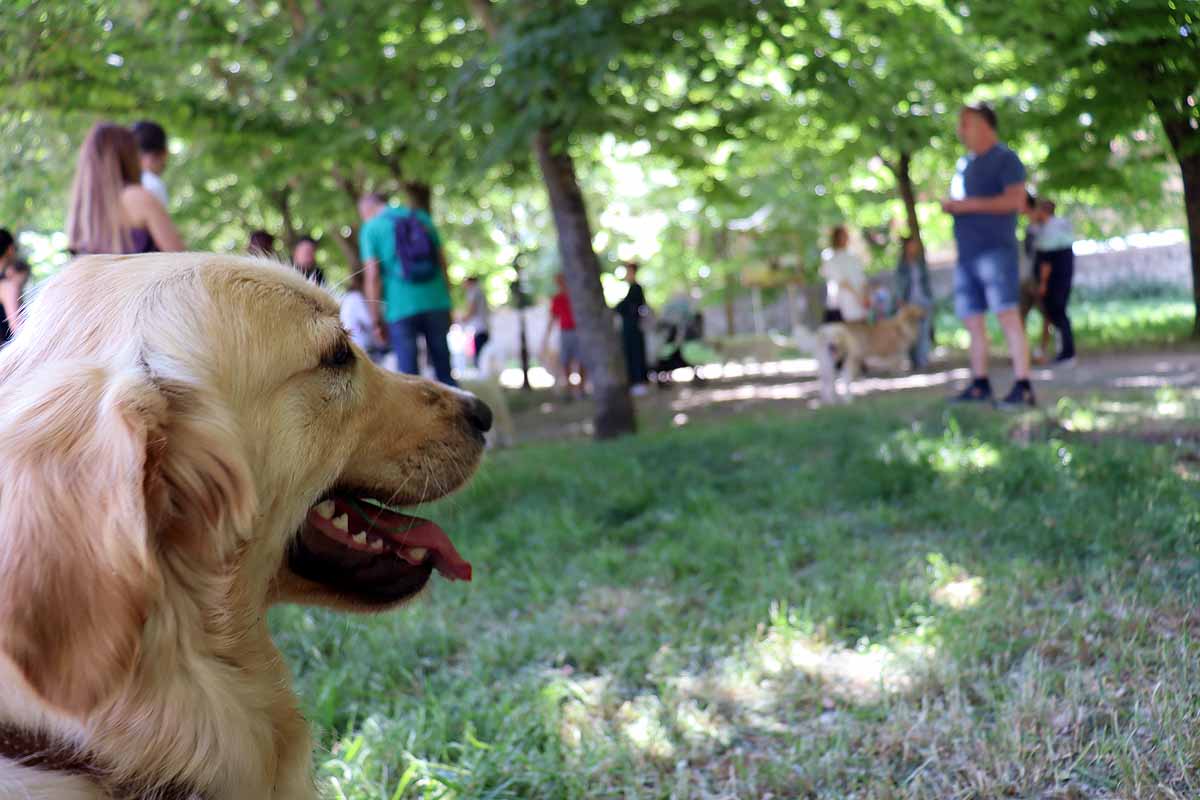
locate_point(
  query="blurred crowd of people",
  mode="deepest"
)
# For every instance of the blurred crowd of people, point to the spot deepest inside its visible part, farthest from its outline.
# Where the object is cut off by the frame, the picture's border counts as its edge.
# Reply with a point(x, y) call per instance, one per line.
point(400, 302)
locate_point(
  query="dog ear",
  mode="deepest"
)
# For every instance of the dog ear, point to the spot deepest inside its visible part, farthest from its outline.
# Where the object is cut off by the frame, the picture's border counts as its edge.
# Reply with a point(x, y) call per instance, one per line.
point(76, 565)
point(89, 478)
point(197, 481)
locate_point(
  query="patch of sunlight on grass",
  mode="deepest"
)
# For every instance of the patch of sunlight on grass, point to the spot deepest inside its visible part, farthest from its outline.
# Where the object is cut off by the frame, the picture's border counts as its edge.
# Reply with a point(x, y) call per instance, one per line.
point(780, 681)
point(951, 585)
point(949, 453)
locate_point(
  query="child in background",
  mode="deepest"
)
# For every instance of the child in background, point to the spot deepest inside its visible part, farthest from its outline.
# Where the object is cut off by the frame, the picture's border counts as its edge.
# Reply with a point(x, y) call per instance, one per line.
point(357, 319)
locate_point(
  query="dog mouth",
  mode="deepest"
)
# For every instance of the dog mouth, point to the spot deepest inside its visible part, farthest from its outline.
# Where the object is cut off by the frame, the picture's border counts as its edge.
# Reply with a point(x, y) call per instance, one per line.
point(358, 547)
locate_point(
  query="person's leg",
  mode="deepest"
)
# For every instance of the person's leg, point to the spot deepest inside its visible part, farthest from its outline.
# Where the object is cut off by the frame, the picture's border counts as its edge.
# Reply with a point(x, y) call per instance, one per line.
point(567, 357)
point(1018, 343)
point(628, 345)
point(920, 350)
point(971, 304)
point(976, 326)
point(403, 337)
point(999, 273)
point(436, 327)
point(1057, 295)
point(481, 339)
point(639, 355)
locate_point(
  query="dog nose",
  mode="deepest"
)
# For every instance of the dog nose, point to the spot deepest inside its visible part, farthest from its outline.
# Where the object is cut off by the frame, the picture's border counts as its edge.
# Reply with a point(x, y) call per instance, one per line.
point(479, 413)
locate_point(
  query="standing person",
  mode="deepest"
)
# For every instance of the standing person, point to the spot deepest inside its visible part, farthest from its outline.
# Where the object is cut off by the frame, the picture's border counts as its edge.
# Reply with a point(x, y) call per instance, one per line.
point(846, 279)
point(13, 275)
point(406, 269)
point(633, 311)
point(356, 319)
point(987, 194)
point(912, 287)
point(570, 352)
point(110, 210)
point(153, 154)
point(304, 258)
point(262, 244)
point(477, 315)
point(1055, 260)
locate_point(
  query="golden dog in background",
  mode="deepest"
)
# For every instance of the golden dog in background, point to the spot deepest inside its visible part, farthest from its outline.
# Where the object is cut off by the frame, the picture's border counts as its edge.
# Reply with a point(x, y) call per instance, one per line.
point(886, 343)
point(186, 439)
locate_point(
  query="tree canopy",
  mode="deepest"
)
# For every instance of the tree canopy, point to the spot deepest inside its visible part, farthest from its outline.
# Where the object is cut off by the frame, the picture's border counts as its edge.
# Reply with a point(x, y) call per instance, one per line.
point(688, 121)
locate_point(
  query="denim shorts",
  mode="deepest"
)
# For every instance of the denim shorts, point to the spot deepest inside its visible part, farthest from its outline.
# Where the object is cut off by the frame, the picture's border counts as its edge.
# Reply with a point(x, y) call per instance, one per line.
point(987, 281)
point(570, 349)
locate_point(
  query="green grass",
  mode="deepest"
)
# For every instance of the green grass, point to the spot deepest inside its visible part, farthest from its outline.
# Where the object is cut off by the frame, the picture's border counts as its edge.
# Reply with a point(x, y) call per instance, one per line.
point(887, 600)
point(1123, 317)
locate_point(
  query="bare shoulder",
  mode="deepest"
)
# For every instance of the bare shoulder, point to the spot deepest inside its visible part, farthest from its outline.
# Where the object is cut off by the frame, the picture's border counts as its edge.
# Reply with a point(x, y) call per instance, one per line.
point(137, 196)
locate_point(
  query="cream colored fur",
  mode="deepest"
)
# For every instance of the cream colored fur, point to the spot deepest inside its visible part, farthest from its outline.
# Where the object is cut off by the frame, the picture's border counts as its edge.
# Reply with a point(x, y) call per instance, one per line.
point(166, 422)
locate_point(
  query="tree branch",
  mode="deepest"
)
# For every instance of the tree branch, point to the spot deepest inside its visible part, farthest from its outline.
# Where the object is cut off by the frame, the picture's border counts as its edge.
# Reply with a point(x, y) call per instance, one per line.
point(485, 13)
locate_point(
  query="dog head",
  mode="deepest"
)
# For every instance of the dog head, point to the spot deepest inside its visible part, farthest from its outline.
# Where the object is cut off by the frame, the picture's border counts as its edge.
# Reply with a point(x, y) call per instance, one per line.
point(195, 437)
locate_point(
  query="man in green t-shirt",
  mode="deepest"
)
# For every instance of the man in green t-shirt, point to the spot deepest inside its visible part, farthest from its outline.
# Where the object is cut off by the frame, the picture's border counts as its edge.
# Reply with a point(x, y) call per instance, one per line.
point(409, 308)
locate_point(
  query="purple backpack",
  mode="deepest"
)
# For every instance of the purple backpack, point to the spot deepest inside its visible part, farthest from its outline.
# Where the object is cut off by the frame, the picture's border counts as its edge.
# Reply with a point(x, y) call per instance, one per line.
point(415, 249)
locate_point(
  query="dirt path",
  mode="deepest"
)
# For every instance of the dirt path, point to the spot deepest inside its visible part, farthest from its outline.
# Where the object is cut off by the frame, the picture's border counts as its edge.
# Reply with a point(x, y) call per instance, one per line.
point(792, 385)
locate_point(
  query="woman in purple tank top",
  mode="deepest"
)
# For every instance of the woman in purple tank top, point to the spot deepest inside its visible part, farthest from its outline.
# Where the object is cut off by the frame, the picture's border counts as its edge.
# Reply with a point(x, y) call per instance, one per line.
point(110, 211)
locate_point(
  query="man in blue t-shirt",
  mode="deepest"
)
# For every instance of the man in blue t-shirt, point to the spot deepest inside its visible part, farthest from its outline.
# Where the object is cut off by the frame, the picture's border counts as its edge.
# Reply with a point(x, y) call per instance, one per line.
point(987, 194)
point(410, 308)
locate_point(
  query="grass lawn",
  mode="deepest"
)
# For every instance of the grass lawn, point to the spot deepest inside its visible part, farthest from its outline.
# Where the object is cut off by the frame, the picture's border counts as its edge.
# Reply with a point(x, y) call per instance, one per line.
point(887, 600)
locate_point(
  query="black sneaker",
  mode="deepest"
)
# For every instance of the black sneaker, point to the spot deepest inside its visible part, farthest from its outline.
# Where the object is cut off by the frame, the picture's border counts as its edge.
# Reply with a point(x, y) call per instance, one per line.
point(1021, 396)
point(977, 392)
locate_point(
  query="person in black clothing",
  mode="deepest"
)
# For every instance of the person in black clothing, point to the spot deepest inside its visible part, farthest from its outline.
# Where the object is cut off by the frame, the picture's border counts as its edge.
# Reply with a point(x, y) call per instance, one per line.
point(304, 258)
point(13, 275)
point(1054, 267)
point(632, 310)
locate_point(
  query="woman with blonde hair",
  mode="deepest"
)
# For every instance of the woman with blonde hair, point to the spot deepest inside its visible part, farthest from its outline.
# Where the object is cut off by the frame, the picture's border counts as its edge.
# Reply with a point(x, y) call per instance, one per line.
point(110, 211)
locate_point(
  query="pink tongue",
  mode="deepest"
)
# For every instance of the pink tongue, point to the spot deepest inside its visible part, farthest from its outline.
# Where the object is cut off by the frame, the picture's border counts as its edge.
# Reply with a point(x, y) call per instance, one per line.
point(408, 531)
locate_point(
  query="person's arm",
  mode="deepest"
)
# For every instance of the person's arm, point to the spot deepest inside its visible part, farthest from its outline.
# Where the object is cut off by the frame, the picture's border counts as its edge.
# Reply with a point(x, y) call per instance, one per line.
point(1011, 201)
point(372, 292)
point(157, 221)
point(549, 329)
point(1043, 278)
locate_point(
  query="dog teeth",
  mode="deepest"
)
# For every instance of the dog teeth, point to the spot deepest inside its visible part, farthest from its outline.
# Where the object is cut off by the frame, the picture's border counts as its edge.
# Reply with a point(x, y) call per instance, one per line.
point(377, 544)
point(417, 554)
point(325, 509)
point(359, 538)
point(342, 523)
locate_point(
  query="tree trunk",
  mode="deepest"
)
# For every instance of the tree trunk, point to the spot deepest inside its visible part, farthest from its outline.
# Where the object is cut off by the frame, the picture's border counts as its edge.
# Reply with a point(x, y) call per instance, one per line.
point(902, 171)
point(721, 248)
point(420, 196)
point(601, 349)
point(1185, 141)
point(1190, 167)
point(349, 247)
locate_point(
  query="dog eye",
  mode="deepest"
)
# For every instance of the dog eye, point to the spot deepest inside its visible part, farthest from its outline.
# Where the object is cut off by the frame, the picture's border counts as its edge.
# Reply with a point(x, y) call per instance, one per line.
point(340, 356)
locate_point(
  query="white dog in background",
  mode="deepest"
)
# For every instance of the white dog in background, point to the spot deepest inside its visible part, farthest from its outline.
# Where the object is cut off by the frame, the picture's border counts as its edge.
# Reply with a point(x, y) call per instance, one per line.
point(818, 346)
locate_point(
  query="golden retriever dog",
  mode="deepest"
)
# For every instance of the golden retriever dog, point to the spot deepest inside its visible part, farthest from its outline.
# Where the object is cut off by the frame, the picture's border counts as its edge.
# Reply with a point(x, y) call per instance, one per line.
point(185, 440)
point(885, 343)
